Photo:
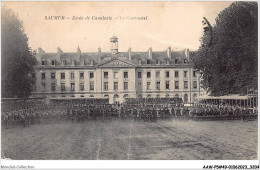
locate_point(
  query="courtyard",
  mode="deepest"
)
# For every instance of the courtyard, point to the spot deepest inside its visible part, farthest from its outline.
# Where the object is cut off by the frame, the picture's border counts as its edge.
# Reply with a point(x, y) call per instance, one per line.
point(132, 139)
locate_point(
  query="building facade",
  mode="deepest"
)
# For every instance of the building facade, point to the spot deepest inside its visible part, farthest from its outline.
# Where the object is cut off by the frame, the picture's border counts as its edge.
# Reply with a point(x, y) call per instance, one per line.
point(116, 75)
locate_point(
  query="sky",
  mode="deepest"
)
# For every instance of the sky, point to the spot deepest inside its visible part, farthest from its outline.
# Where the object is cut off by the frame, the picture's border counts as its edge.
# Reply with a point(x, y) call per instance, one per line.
point(174, 24)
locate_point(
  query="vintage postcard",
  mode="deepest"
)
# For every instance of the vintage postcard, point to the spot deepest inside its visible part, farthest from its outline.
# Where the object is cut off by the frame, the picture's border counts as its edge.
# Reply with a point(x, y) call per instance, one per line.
point(159, 80)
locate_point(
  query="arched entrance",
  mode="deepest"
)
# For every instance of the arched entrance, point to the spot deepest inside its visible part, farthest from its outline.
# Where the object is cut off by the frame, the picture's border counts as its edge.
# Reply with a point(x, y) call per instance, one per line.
point(185, 98)
point(126, 96)
point(116, 98)
point(194, 97)
point(106, 97)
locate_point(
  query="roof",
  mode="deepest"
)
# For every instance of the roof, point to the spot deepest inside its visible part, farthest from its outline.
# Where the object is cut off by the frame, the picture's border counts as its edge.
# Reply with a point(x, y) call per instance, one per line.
point(176, 57)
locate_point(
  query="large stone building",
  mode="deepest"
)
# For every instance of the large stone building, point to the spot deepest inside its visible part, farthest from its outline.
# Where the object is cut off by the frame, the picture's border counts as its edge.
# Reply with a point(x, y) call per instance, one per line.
point(116, 75)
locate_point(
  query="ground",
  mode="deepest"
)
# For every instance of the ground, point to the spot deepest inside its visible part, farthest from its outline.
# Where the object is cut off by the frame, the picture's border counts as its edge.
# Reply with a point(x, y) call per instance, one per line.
point(132, 139)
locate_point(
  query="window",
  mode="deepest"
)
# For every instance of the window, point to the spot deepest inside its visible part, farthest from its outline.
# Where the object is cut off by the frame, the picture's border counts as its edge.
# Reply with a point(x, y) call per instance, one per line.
point(53, 62)
point(148, 61)
point(185, 61)
point(185, 73)
point(194, 74)
point(91, 75)
point(72, 76)
point(115, 86)
point(157, 61)
point(125, 85)
point(91, 86)
point(194, 96)
point(62, 75)
point(167, 74)
point(81, 95)
point(139, 85)
point(139, 75)
point(194, 84)
point(63, 62)
point(148, 87)
point(125, 75)
point(176, 84)
point(176, 74)
point(53, 86)
point(176, 61)
point(52, 75)
point(81, 86)
point(167, 85)
point(43, 63)
point(43, 76)
point(157, 74)
point(158, 85)
point(62, 86)
point(105, 75)
point(185, 84)
point(148, 74)
point(73, 62)
point(72, 86)
point(81, 75)
point(43, 86)
point(115, 75)
point(105, 86)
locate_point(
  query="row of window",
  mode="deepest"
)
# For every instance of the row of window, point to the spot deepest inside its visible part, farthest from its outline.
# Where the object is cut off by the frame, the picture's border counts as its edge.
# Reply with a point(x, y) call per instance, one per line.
point(91, 75)
point(167, 74)
point(106, 87)
point(72, 75)
point(167, 85)
point(72, 86)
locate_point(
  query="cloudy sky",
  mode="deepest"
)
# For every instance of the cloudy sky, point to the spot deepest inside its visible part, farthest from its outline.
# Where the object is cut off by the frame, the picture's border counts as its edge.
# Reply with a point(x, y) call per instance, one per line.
point(175, 24)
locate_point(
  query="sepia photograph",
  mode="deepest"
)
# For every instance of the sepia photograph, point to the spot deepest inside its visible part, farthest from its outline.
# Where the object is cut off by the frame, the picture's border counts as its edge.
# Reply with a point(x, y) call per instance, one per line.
point(158, 80)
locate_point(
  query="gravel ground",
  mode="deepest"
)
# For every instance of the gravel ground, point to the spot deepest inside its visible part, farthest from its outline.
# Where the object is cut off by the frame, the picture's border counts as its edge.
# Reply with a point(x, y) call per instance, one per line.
point(132, 139)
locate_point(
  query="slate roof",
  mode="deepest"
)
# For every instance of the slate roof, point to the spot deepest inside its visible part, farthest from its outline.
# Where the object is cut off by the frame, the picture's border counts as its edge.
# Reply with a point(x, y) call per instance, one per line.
point(99, 58)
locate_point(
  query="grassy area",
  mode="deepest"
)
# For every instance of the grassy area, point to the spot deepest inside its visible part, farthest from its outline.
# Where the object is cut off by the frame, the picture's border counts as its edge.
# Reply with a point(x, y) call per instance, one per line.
point(132, 139)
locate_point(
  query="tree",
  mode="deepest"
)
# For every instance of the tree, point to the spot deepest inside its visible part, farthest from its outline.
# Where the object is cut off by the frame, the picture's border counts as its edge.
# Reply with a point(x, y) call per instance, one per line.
point(17, 58)
point(229, 64)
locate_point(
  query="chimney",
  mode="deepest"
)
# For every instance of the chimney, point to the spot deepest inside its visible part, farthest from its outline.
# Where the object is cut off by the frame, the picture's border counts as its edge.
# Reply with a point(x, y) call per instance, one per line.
point(39, 54)
point(59, 51)
point(78, 52)
point(169, 53)
point(187, 53)
point(99, 51)
point(129, 54)
point(150, 53)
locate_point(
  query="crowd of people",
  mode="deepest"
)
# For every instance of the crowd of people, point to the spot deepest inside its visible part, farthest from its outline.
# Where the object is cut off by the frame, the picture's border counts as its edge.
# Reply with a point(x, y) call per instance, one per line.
point(26, 112)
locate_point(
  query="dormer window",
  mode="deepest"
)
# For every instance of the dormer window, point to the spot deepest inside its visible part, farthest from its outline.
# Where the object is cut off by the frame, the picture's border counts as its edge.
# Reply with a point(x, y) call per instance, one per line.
point(73, 62)
point(157, 61)
point(91, 62)
point(139, 61)
point(176, 61)
point(53, 62)
point(167, 61)
point(185, 61)
point(43, 63)
point(63, 62)
point(82, 62)
point(148, 61)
